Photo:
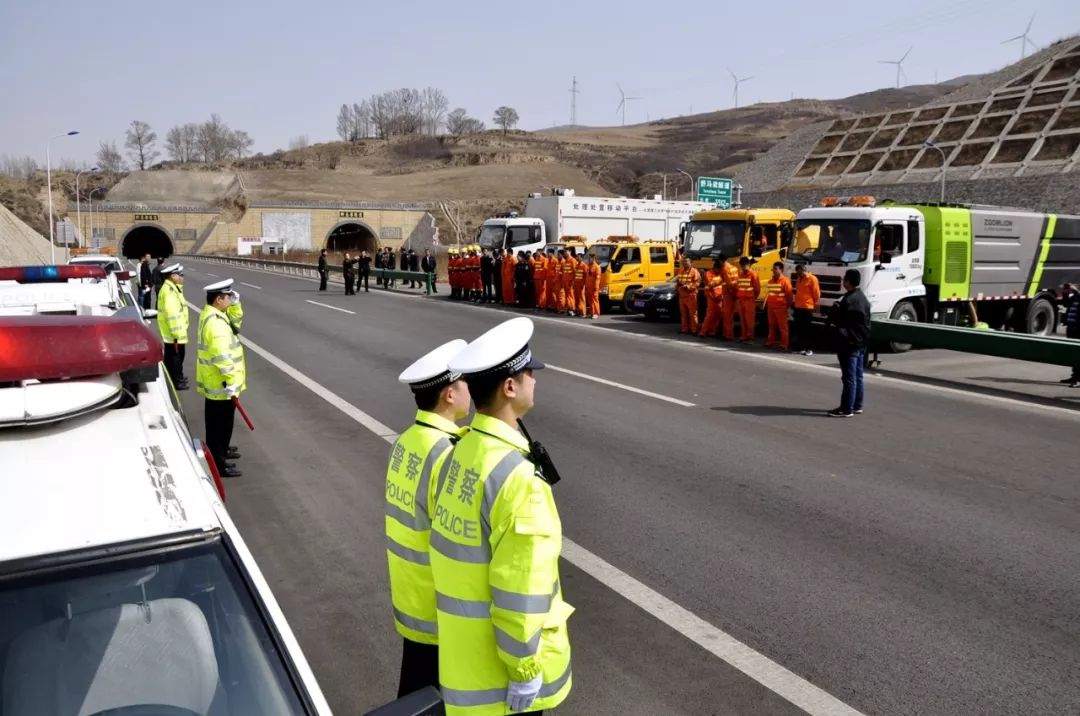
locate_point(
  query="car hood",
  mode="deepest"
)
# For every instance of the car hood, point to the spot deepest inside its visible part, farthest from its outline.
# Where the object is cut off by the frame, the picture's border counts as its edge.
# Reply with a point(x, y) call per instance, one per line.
point(659, 288)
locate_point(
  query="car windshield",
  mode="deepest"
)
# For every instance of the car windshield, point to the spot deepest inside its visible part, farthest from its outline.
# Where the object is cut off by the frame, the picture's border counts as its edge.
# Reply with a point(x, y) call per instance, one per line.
point(603, 254)
point(172, 631)
point(491, 237)
point(708, 237)
point(836, 240)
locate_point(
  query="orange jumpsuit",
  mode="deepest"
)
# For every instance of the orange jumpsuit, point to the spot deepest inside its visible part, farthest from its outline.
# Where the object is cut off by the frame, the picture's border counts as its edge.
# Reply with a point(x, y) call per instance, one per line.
point(688, 280)
point(508, 265)
point(730, 276)
point(592, 289)
point(579, 288)
point(777, 303)
point(540, 280)
point(714, 301)
point(478, 281)
point(554, 278)
point(746, 293)
point(566, 273)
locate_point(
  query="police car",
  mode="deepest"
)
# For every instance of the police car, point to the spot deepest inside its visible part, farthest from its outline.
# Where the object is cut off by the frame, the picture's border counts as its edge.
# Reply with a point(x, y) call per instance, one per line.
point(70, 289)
point(125, 275)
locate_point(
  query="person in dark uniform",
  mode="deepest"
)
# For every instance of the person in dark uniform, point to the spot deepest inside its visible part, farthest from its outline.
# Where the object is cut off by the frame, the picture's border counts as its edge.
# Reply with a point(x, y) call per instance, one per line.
point(496, 274)
point(380, 263)
point(428, 266)
point(850, 320)
point(146, 282)
point(404, 262)
point(324, 273)
point(414, 265)
point(347, 269)
point(391, 264)
point(365, 272)
point(487, 276)
point(157, 279)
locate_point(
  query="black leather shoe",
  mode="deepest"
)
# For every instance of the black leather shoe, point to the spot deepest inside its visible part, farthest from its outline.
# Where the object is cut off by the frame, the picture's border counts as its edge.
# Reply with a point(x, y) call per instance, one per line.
point(232, 454)
point(183, 386)
point(230, 465)
point(231, 472)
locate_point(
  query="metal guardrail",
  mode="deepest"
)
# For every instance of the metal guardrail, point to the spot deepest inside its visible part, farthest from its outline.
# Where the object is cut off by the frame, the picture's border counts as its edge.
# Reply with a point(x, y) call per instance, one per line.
point(1018, 346)
point(295, 268)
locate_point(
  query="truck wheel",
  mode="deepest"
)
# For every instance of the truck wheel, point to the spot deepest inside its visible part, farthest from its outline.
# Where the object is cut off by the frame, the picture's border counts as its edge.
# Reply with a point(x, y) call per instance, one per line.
point(628, 299)
point(903, 311)
point(1040, 318)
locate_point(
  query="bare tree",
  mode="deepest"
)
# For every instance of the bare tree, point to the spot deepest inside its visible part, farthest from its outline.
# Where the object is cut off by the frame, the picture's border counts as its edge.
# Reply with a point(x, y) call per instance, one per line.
point(299, 142)
point(17, 167)
point(174, 144)
point(140, 143)
point(361, 115)
point(434, 104)
point(239, 142)
point(346, 124)
point(189, 138)
point(459, 123)
point(109, 158)
point(213, 139)
point(472, 126)
point(506, 118)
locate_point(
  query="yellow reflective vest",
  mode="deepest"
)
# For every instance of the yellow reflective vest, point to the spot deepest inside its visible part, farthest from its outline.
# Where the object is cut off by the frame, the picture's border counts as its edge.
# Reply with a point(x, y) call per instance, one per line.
point(235, 314)
point(415, 461)
point(219, 370)
point(495, 543)
point(172, 317)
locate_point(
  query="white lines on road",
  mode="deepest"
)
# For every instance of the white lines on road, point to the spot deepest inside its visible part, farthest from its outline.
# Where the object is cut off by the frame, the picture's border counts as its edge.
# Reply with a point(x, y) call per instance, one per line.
point(621, 386)
point(757, 666)
point(327, 305)
point(212, 274)
point(250, 285)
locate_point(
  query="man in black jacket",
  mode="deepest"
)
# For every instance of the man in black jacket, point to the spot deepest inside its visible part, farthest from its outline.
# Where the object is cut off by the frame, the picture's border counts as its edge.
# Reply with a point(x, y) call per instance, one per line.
point(487, 276)
point(428, 266)
point(146, 282)
point(347, 269)
point(496, 274)
point(1072, 327)
point(365, 272)
point(391, 265)
point(157, 279)
point(414, 265)
point(850, 318)
point(324, 273)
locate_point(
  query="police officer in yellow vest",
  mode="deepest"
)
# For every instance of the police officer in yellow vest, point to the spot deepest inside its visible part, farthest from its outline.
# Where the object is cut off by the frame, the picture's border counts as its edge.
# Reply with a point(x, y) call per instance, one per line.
point(219, 373)
point(172, 322)
point(415, 460)
point(495, 543)
point(235, 313)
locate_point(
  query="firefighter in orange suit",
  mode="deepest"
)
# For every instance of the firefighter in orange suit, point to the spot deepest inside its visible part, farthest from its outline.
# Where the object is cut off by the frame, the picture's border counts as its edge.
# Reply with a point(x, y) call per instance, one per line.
point(568, 280)
point(509, 265)
point(714, 299)
point(560, 285)
point(592, 287)
point(554, 279)
point(747, 289)
point(577, 308)
point(688, 281)
point(474, 271)
point(540, 280)
point(730, 276)
point(777, 303)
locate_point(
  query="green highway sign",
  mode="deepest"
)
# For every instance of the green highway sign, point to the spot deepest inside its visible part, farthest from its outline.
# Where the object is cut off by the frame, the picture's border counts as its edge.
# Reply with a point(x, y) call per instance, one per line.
point(715, 190)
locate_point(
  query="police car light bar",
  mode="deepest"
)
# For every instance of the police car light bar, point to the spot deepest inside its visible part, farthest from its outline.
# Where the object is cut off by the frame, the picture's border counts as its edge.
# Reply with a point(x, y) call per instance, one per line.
point(49, 274)
point(54, 347)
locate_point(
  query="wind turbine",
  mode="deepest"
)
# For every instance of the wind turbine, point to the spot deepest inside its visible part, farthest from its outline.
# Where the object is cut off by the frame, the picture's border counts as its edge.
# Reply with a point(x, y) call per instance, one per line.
point(623, 99)
point(899, 66)
point(1024, 41)
point(737, 83)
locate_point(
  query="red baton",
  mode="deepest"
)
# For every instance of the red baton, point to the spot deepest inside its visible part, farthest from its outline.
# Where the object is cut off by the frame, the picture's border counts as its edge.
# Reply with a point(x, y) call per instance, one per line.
point(243, 413)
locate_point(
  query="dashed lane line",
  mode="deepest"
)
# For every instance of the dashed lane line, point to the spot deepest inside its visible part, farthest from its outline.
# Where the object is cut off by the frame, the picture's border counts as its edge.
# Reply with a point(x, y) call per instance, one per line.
point(251, 285)
point(327, 305)
point(620, 386)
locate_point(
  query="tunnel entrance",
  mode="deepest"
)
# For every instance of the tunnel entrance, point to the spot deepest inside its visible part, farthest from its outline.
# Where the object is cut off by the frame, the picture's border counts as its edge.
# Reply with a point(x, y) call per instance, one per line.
point(146, 240)
point(353, 237)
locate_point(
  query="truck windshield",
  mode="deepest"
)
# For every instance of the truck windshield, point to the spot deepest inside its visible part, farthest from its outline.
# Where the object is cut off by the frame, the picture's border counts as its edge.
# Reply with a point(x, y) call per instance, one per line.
point(491, 237)
point(708, 237)
point(603, 254)
point(836, 240)
point(165, 632)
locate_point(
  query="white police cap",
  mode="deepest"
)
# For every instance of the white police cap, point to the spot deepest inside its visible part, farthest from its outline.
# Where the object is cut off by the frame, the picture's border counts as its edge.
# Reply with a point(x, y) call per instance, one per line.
point(502, 350)
point(172, 268)
point(432, 370)
point(220, 286)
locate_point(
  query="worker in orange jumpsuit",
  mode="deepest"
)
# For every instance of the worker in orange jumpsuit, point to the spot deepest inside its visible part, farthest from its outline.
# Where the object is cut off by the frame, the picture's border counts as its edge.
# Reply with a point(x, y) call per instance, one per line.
point(746, 293)
point(577, 306)
point(532, 280)
point(714, 299)
point(807, 297)
point(568, 268)
point(730, 276)
point(777, 303)
point(688, 281)
point(592, 287)
point(478, 279)
point(560, 283)
point(540, 280)
point(509, 265)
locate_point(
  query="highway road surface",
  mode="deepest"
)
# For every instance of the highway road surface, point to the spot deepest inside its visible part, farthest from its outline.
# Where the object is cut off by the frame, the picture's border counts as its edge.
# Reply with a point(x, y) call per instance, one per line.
point(730, 550)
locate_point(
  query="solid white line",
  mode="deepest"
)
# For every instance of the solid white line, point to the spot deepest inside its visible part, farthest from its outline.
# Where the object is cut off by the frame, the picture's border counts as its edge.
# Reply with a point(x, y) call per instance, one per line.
point(327, 305)
point(621, 386)
point(250, 285)
point(757, 666)
point(212, 274)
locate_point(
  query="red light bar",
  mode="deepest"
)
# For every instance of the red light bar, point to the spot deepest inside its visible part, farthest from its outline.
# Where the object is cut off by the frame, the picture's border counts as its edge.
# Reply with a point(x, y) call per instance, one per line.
point(52, 347)
point(49, 274)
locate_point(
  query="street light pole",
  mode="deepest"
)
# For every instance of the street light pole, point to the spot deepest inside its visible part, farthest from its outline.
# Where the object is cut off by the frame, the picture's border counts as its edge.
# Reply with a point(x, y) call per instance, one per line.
point(94, 191)
point(693, 184)
point(48, 179)
point(78, 197)
point(943, 160)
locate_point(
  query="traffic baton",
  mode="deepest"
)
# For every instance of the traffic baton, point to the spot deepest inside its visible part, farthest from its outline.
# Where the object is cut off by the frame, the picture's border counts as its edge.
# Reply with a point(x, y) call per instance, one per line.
point(243, 413)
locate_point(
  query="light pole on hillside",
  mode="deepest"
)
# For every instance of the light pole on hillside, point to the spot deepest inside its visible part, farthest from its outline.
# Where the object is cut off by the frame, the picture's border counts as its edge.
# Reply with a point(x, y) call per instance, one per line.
point(48, 179)
point(91, 196)
point(78, 202)
point(943, 160)
point(693, 184)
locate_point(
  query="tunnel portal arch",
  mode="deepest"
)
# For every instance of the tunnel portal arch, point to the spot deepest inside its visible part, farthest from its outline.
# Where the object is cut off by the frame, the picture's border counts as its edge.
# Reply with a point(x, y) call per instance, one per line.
point(143, 239)
point(352, 236)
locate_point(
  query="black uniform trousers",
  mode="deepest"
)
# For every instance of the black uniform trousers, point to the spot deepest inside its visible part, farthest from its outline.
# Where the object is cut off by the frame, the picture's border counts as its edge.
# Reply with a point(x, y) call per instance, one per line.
point(219, 416)
point(800, 339)
point(419, 666)
point(363, 278)
point(174, 362)
point(323, 276)
point(349, 291)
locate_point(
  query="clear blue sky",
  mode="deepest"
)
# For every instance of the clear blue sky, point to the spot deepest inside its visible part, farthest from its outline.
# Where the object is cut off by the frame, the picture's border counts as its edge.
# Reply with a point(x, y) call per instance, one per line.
point(281, 69)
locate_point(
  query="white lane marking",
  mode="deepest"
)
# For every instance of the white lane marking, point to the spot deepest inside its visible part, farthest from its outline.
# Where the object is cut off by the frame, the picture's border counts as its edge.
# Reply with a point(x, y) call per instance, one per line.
point(327, 305)
point(757, 666)
point(212, 274)
point(901, 383)
point(621, 386)
point(250, 285)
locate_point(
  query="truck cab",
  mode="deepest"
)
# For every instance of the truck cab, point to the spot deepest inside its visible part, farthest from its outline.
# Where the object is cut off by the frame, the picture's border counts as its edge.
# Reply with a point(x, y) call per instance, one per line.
point(577, 244)
point(605, 249)
point(764, 235)
point(513, 233)
point(636, 265)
